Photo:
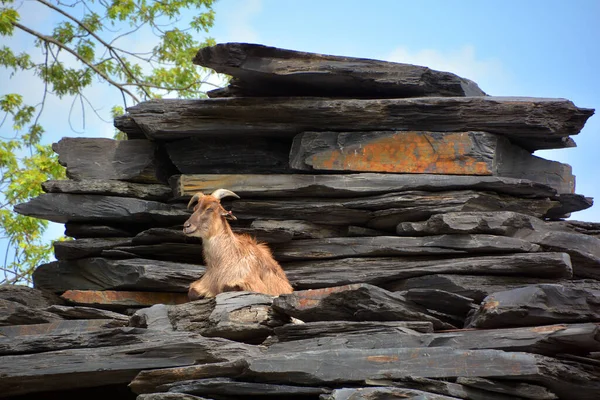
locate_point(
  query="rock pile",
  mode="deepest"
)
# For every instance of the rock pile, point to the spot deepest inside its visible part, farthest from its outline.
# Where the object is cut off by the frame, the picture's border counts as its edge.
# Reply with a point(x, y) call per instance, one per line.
point(425, 242)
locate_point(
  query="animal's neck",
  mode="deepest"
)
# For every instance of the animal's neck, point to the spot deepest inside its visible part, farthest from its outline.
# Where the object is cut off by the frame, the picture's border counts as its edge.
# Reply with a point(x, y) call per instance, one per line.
point(218, 246)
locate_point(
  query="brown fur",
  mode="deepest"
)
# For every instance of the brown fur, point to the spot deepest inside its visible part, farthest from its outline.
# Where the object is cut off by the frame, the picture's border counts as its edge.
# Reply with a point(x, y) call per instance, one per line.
point(233, 262)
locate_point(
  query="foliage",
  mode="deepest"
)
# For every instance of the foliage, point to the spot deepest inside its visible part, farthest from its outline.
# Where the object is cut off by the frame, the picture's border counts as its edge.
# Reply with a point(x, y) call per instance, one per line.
point(85, 44)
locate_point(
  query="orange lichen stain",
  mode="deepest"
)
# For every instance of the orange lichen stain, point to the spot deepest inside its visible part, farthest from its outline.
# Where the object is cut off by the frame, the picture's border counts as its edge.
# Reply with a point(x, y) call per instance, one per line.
point(311, 298)
point(551, 328)
point(123, 298)
point(382, 359)
point(491, 305)
point(407, 152)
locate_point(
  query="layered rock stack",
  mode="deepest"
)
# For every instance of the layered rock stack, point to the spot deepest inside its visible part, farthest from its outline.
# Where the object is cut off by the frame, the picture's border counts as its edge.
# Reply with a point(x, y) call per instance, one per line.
point(426, 244)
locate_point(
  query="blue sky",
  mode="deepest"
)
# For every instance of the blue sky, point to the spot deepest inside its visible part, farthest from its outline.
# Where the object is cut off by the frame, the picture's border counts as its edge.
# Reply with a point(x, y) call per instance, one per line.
point(510, 48)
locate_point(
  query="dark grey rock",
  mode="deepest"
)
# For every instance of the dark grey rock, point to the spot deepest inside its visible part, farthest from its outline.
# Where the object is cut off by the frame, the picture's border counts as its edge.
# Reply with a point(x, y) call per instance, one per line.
point(101, 273)
point(14, 313)
point(109, 188)
point(28, 296)
point(532, 123)
point(57, 327)
point(83, 230)
point(88, 313)
point(87, 247)
point(521, 390)
point(382, 393)
point(269, 71)
point(537, 305)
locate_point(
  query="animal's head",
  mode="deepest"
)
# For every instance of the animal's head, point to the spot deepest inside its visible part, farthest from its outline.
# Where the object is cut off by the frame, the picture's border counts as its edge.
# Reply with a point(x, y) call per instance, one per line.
point(208, 214)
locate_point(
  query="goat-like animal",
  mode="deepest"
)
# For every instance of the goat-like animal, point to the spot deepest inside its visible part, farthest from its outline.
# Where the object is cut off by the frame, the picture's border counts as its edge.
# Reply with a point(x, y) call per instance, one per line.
point(234, 262)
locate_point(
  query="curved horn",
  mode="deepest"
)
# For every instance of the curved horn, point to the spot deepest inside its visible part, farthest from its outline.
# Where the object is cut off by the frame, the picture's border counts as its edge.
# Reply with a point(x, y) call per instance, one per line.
point(195, 198)
point(221, 193)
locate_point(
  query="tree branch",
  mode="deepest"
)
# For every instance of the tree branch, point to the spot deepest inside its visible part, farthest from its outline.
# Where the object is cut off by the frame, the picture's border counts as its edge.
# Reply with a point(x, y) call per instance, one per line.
point(60, 45)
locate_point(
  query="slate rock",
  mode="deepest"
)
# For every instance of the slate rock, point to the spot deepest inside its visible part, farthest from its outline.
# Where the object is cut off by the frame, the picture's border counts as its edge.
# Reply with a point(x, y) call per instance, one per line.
point(109, 188)
point(382, 393)
point(162, 235)
point(169, 396)
point(148, 381)
point(88, 313)
point(121, 300)
point(57, 327)
point(350, 185)
point(185, 253)
point(64, 207)
point(13, 313)
point(359, 302)
point(386, 270)
point(537, 305)
point(214, 155)
point(454, 153)
point(28, 296)
point(89, 247)
point(517, 389)
point(102, 273)
point(532, 123)
point(232, 387)
point(99, 158)
point(441, 301)
point(269, 71)
point(113, 364)
point(385, 246)
point(83, 230)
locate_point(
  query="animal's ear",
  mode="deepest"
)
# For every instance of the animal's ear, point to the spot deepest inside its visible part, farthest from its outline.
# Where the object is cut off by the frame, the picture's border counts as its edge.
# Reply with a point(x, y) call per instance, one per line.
point(228, 215)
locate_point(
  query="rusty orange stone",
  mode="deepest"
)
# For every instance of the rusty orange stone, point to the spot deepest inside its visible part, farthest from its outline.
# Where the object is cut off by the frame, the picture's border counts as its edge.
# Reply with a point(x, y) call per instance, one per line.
point(408, 152)
point(126, 299)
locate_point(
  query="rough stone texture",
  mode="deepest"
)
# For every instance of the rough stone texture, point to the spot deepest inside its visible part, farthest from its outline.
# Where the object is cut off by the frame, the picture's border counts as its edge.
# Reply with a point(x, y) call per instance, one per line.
point(478, 287)
point(382, 393)
point(148, 381)
point(551, 340)
point(524, 390)
point(88, 313)
point(232, 387)
point(89, 247)
point(359, 302)
point(121, 300)
point(532, 123)
point(357, 365)
point(109, 188)
point(351, 185)
point(64, 207)
point(583, 249)
point(269, 71)
point(386, 270)
point(101, 273)
point(215, 155)
point(169, 396)
point(111, 365)
point(320, 249)
point(28, 296)
point(83, 230)
point(55, 327)
point(537, 305)
point(13, 313)
point(99, 158)
point(454, 153)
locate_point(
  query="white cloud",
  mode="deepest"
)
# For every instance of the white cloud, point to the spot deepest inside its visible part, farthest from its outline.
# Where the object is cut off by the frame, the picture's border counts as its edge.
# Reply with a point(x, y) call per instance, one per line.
point(238, 21)
point(489, 74)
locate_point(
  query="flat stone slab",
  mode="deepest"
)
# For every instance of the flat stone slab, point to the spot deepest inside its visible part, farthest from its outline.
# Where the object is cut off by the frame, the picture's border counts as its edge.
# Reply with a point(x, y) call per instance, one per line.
point(368, 393)
point(100, 158)
point(385, 246)
point(269, 71)
point(67, 207)
point(56, 327)
point(418, 152)
point(385, 271)
point(14, 313)
point(537, 305)
point(131, 274)
point(350, 185)
point(147, 191)
point(359, 302)
point(120, 300)
point(532, 123)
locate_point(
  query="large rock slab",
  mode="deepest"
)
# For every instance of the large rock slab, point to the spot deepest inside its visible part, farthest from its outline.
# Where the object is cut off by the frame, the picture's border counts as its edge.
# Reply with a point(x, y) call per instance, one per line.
point(87, 247)
point(359, 302)
point(381, 393)
point(88, 313)
point(583, 249)
point(86, 230)
point(231, 387)
point(66, 207)
point(537, 305)
point(13, 313)
point(532, 123)
point(214, 155)
point(417, 152)
point(28, 296)
point(523, 390)
point(145, 191)
point(100, 274)
point(269, 71)
point(478, 287)
point(55, 370)
point(550, 340)
point(386, 246)
point(99, 158)
point(385, 270)
point(351, 185)
point(339, 366)
point(57, 327)
point(121, 300)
